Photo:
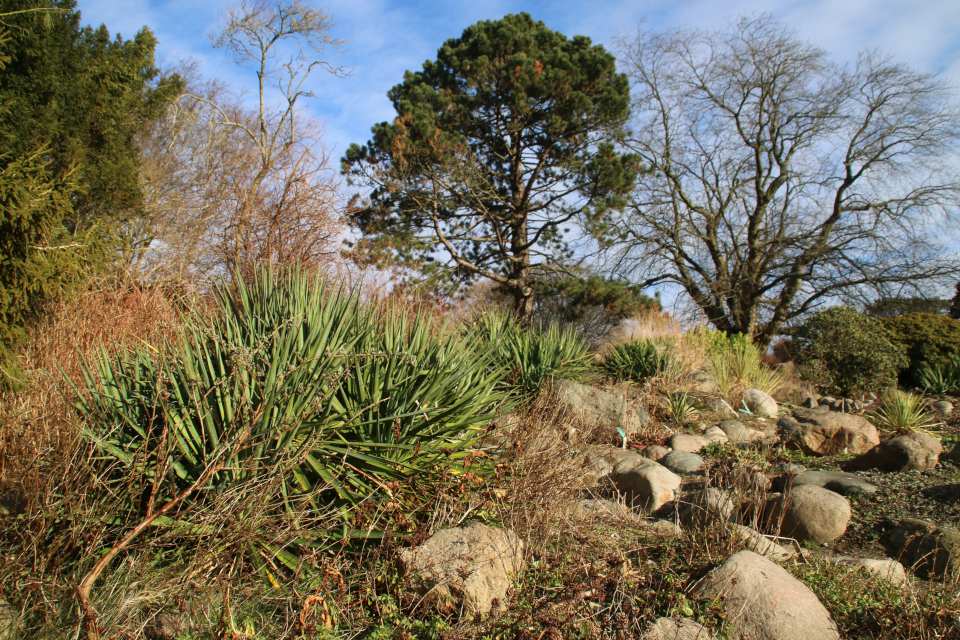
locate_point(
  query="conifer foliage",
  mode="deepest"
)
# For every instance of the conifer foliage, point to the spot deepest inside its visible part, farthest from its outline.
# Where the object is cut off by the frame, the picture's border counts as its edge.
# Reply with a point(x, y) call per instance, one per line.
point(71, 102)
point(497, 146)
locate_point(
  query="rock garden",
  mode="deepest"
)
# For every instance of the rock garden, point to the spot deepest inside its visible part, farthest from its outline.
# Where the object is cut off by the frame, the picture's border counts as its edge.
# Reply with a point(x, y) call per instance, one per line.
point(671, 484)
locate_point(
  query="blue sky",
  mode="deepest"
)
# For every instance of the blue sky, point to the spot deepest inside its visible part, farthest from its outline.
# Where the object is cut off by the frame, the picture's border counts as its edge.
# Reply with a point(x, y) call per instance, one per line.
point(386, 37)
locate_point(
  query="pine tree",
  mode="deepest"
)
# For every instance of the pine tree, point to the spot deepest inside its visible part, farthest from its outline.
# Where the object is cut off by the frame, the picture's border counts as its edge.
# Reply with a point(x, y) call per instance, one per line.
point(498, 145)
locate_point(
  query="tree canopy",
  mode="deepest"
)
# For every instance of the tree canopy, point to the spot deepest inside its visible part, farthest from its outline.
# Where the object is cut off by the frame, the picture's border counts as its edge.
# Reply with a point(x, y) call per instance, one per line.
point(497, 146)
point(780, 179)
point(71, 102)
point(85, 97)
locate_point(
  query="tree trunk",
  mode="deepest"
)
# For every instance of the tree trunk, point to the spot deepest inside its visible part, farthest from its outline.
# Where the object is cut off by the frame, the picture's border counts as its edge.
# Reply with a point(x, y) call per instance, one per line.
point(523, 302)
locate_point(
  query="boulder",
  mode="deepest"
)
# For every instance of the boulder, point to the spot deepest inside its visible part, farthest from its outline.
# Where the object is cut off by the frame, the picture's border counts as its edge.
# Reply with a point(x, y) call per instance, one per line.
point(735, 430)
point(886, 569)
point(911, 452)
point(629, 463)
point(764, 602)
point(677, 629)
point(598, 412)
point(705, 508)
point(682, 462)
point(647, 486)
point(662, 528)
point(715, 434)
point(472, 566)
point(811, 513)
point(808, 399)
point(837, 481)
point(746, 478)
point(595, 467)
point(758, 543)
point(700, 382)
point(616, 455)
point(943, 407)
point(792, 468)
point(686, 442)
point(595, 509)
point(760, 402)
point(932, 551)
point(827, 432)
point(655, 452)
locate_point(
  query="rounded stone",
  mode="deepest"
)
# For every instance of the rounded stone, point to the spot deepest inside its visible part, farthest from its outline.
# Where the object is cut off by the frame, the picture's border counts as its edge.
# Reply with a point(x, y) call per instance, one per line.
point(682, 462)
point(686, 442)
point(812, 513)
point(735, 430)
point(705, 508)
point(764, 602)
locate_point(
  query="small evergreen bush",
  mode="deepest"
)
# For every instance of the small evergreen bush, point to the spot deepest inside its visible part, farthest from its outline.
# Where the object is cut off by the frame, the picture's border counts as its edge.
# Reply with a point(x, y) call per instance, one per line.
point(939, 378)
point(846, 352)
point(637, 360)
point(930, 339)
point(297, 383)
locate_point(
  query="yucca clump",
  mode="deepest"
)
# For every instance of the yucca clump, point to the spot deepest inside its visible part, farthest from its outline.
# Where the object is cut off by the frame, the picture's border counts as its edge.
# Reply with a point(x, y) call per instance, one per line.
point(940, 378)
point(903, 413)
point(637, 360)
point(296, 383)
point(527, 358)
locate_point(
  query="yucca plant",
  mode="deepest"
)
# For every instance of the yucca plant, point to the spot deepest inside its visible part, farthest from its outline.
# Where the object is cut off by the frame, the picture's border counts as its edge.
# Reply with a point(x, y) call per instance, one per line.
point(529, 357)
point(903, 413)
point(637, 360)
point(296, 383)
point(940, 378)
point(679, 408)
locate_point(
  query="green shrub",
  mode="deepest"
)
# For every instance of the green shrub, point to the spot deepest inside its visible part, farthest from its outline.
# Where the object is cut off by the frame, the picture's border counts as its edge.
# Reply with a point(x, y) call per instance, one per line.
point(846, 352)
point(291, 374)
point(637, 360)
point(928, 338)
point(526, 358)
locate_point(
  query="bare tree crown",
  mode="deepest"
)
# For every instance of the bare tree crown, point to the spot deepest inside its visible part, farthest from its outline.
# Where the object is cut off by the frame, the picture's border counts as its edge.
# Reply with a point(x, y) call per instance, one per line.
point(780, 179)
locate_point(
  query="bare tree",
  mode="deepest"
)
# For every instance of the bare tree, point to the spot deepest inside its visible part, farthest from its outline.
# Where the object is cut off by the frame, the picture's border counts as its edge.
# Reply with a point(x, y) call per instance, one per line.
point(214, 204)
point(779, 179)
point(284, 44)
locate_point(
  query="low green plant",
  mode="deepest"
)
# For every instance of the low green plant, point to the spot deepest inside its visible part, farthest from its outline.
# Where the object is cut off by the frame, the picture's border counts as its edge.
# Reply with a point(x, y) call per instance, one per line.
point(846, 353)
point(679, 408)
point(637, 360)
point(903, 413)
point(929, 339)
point(295, 383)
point(864, 606)
point(527, 358)
point(939, 378)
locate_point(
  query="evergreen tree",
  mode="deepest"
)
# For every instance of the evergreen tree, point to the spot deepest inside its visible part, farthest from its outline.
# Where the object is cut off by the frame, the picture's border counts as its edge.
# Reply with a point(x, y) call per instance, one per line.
point(71, 101)
point(84, 97)
point(497, 146)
